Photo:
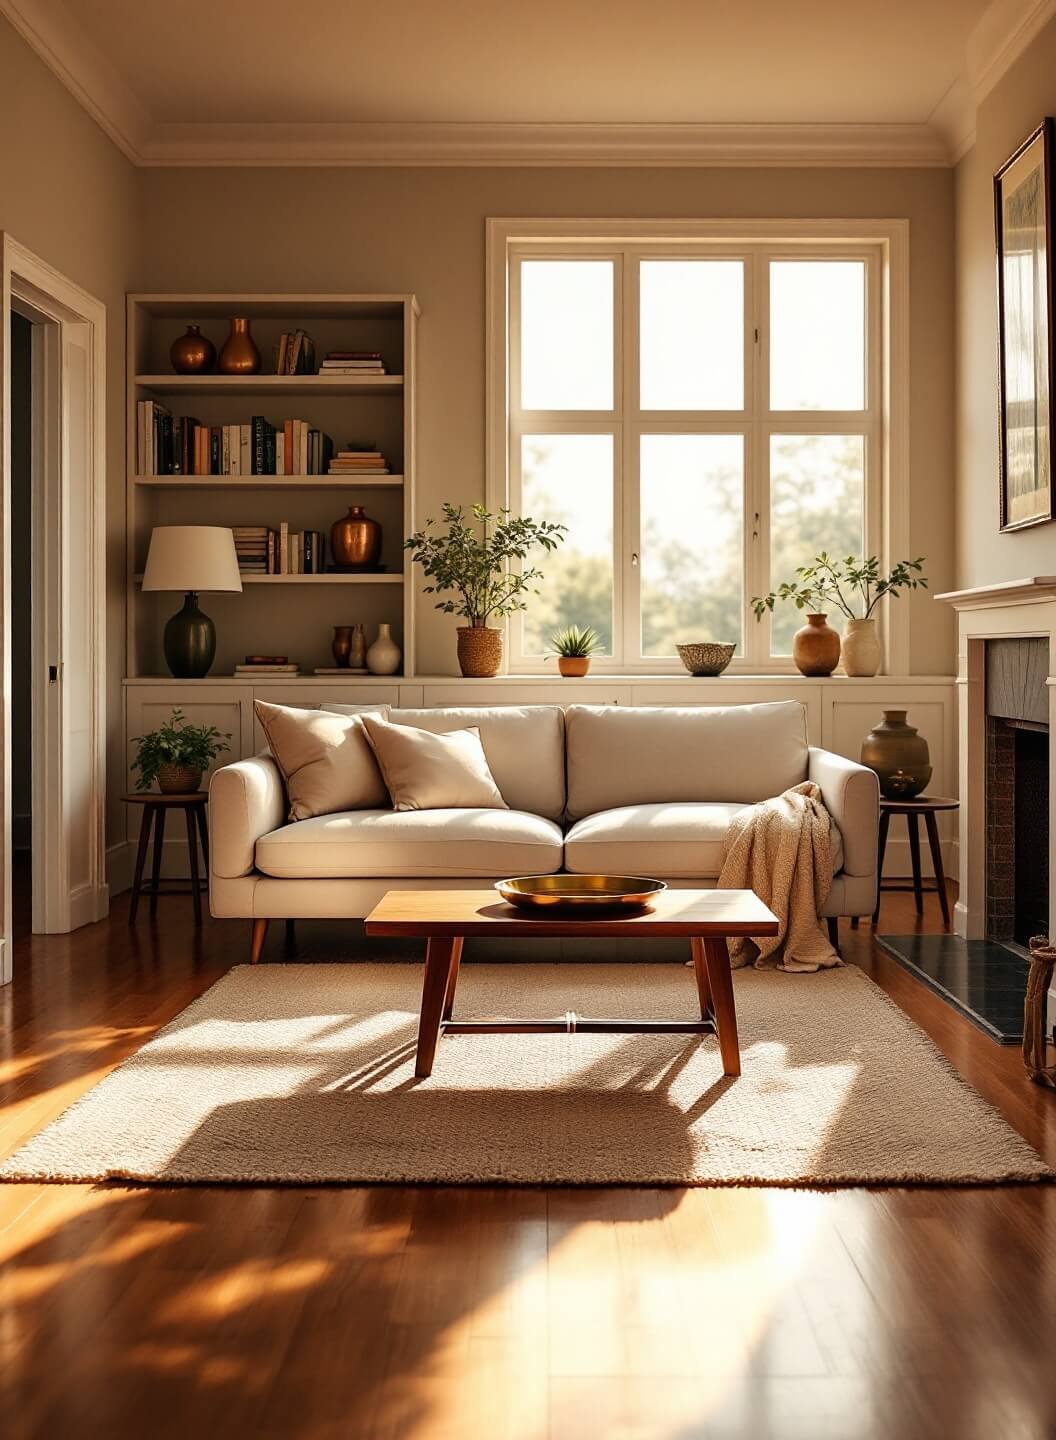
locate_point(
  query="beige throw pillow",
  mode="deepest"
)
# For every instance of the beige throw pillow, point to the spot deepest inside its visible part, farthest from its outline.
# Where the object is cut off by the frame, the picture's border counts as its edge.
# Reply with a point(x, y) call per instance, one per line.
point(324, 758)
point(425, 771)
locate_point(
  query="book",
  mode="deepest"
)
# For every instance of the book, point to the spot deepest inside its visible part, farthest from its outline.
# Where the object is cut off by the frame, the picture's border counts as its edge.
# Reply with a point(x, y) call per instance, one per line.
point(284, 548)
point(341, 670)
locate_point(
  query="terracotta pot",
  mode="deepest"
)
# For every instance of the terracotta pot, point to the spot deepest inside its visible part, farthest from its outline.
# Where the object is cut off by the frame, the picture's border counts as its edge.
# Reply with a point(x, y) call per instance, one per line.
point(355, 540)
point(193, 353)
point(479, 650)
point(898, 755)
point(573, 665)
point(178, 779)
point(383, 657)
point(239, 354)
point(342, 645)
point(816, 647)
point(862, 652)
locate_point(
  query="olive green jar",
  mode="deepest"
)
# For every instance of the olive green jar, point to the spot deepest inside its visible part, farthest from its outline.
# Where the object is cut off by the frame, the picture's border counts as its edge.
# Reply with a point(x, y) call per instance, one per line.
point(898, 755)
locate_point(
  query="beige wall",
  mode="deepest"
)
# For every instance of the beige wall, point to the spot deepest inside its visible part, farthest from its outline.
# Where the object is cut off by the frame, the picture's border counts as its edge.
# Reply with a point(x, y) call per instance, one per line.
point(1008, 114)
point(423, 230)
point(68, 194)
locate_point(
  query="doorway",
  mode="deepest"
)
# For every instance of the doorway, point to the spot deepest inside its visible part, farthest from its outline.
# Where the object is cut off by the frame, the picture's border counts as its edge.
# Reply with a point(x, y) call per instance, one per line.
point(53, 599)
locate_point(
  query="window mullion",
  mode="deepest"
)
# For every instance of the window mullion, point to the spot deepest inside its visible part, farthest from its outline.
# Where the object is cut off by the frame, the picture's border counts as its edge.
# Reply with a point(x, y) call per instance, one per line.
point(628, 504)
point(757, 489)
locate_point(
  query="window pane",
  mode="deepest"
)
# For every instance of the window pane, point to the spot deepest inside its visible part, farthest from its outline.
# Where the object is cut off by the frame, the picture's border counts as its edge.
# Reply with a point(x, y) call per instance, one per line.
point(817, 502)
point(568, 479)
point(817, 335)
point(566, 334)
point(692, 489)
point(692, 334)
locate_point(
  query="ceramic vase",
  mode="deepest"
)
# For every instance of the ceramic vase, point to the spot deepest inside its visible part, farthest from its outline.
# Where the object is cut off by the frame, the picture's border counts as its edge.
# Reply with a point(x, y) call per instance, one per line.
point(383, 657)
point(355, 540)
point(193, 353)
point(479, 651)
point(357, 658)
point(898, 755)
point(239, 354)
point(342, 645)
point(816, 647)
point(862, 653)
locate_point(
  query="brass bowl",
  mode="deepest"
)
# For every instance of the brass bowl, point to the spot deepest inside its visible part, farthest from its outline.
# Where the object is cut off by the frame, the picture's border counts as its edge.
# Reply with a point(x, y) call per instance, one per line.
point(580, 892)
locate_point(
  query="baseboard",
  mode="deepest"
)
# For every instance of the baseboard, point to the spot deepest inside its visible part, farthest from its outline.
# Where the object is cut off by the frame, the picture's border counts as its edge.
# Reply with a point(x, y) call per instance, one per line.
point(88, 904)
point(898, 860)
point(119, 865)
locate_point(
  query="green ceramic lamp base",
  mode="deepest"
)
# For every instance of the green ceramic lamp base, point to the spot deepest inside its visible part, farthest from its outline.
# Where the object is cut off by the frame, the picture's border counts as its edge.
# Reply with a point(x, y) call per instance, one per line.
point(190, 641)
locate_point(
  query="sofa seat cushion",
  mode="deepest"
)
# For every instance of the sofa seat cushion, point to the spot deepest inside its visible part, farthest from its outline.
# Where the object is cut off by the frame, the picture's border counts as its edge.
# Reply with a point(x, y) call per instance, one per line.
point(665, 842)
point(412, 842)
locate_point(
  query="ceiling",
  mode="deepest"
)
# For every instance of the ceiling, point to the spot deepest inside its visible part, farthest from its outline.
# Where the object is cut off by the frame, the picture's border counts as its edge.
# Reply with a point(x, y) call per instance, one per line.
point(472, 78)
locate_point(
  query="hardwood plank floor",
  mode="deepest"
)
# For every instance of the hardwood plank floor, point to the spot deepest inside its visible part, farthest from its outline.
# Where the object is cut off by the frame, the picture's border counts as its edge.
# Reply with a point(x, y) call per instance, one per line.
point(415, 1314)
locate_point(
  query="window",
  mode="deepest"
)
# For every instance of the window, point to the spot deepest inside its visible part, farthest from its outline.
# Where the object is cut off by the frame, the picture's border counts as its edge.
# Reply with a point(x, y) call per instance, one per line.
point(703, 413)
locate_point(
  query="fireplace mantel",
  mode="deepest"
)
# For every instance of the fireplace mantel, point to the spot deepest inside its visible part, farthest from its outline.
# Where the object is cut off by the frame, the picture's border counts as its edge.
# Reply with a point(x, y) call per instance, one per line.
point(1035, 589)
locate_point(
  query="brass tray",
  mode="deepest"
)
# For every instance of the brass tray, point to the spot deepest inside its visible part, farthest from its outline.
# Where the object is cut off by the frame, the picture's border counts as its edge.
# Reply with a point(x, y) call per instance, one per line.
point(580, 892)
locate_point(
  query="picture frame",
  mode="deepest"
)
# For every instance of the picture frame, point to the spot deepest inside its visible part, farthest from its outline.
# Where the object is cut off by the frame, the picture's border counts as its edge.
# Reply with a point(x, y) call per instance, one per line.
point(1024, 244)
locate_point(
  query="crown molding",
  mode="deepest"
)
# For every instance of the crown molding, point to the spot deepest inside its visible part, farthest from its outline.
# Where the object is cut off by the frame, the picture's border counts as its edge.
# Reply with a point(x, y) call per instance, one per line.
point(1003, 32)
point(545, 144)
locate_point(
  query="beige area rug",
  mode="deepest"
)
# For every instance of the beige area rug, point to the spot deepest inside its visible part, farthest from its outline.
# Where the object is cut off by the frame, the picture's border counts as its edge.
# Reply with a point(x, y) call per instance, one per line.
point(305, 1073)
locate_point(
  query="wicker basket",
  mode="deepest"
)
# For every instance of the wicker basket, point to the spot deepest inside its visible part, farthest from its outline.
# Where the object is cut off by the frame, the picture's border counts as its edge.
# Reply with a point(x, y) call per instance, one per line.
point(178, 779)
point(479, 651)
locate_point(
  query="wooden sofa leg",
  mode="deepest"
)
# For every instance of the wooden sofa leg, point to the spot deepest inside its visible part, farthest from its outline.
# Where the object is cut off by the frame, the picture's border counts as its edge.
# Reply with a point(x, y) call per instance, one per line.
point(260, 934)
point(834, 932)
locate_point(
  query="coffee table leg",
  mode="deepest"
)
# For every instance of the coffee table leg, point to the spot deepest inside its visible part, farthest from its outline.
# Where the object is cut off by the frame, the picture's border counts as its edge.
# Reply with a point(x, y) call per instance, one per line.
point(700, 969)
point(721, 978)
point(438, 956)
point(452, 980)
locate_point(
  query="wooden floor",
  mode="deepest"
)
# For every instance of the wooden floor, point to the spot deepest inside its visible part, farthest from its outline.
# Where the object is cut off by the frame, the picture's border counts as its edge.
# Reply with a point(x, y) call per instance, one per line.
point(579, 1315)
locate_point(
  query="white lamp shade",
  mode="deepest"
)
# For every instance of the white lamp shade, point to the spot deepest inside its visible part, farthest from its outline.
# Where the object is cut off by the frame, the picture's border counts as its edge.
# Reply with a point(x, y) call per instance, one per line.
point(192, 557)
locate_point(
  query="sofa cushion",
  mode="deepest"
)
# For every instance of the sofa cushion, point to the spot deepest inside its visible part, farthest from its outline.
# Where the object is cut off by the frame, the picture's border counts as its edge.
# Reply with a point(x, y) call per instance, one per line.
point(325, 759)
point(412, 842)
point(426, 771)
point(620, 755)
point(666, 842)
point(524, 745)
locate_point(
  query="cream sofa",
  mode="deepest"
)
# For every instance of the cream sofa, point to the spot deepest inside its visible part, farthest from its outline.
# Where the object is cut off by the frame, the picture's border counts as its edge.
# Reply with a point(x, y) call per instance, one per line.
point(641, 791)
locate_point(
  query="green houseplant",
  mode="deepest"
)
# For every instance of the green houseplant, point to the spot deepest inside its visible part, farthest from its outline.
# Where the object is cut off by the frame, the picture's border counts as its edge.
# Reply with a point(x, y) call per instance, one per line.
point(177, 754)
point(854, 587)
point(480, 558)
point(573, 647)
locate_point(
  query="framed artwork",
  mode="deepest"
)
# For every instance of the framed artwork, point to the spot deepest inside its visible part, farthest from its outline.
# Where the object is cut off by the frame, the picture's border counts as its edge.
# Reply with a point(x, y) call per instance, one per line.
point(1023, 210)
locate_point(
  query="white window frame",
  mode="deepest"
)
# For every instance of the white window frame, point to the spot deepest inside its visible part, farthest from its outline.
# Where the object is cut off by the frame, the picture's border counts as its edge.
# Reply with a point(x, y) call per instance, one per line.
point(882, 244)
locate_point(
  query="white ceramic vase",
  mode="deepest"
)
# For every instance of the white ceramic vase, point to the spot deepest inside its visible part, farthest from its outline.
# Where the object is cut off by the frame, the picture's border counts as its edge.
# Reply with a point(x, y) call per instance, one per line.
point(861, 650)
point(383, 657)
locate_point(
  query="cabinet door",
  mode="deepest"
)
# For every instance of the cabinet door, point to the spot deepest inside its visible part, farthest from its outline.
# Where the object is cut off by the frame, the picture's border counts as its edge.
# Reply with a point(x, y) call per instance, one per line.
point(149, 706)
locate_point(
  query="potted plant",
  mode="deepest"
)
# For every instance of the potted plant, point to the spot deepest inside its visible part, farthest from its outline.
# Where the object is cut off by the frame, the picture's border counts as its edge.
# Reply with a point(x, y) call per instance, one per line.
point(573, 648)
point(176, 755)
point(481, 558)
point(826, 581)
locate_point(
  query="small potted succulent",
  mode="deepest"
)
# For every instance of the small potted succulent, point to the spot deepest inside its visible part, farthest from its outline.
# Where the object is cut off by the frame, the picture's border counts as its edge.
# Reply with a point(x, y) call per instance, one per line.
point(573, 648)
point(177, 755)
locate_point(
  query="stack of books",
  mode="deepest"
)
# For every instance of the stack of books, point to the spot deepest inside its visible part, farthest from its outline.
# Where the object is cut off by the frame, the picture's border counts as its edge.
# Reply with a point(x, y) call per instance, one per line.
point(251, 547)
point(303, 450)
point(359, 460)
point(181, 445)
point(353, 362)
point(295, 354)
point(267, 665)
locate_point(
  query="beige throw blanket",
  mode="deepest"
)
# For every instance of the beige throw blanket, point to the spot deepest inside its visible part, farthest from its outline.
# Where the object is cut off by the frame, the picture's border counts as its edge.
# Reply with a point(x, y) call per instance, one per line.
point(780, 849)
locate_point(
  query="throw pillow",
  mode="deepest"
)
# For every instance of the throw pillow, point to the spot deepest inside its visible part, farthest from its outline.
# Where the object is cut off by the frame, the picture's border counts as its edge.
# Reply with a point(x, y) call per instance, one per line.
point(325, 760)
point(426, 771)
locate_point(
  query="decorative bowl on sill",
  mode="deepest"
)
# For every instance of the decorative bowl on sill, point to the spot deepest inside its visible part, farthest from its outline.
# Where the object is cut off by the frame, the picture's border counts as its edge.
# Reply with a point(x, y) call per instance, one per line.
point(709, 657)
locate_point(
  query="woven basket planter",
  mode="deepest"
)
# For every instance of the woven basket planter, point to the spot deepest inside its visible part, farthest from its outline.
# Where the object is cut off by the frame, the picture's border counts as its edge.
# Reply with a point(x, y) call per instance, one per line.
point(479, 651)
point(178, 779)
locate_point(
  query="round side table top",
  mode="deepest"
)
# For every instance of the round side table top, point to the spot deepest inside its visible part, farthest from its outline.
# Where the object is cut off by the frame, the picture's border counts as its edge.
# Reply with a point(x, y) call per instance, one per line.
point(155, 797)
point(920, 804)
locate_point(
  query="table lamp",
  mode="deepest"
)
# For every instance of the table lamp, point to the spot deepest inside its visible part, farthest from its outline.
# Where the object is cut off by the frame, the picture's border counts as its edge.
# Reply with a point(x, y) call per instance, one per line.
point(191, 558)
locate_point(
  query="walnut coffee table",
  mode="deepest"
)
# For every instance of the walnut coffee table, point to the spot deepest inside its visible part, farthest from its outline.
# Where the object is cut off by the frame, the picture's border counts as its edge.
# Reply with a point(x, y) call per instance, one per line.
point(443, 918)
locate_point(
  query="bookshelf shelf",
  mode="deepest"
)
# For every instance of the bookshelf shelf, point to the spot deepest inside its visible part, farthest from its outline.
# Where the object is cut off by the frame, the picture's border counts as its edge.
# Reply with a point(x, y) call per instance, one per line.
point(268, 482)
point(271, 384)
point(365, 579)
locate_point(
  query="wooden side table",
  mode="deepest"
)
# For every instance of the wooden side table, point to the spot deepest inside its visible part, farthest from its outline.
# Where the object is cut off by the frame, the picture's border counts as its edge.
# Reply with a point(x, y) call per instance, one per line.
point(155, 808)
point(927, 806)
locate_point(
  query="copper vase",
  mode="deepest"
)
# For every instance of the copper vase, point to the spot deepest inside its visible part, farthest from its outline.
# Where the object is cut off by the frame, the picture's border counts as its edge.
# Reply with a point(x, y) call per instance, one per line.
point(239, 355)
point(355, 540)
point(193, 353)
point(898, 755)
point(342, 645)
point(816, 647)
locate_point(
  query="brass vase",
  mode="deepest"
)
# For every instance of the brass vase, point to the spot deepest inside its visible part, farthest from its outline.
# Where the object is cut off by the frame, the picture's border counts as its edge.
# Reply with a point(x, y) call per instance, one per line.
point(355, 540)
point(816, 647)
point(193, 353)
point(239, 354)
point(898, 755)
point(342, 645)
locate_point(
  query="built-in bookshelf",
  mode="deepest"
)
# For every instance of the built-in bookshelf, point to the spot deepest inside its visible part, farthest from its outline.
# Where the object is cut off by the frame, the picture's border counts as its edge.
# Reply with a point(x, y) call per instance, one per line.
point(293, 614)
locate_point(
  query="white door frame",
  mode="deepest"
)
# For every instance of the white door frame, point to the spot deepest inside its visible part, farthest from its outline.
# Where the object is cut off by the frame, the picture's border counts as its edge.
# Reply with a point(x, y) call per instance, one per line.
point(69, 596)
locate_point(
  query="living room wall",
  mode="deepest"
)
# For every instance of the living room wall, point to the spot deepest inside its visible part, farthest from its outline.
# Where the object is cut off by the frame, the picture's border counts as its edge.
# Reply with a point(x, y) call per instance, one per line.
point(423, 230)
point(69, 195)
point(1009, 113)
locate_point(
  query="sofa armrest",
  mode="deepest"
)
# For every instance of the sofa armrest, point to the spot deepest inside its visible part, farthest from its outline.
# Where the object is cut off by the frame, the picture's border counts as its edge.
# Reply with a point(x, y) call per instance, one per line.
point(246, 800)
point(851, 795)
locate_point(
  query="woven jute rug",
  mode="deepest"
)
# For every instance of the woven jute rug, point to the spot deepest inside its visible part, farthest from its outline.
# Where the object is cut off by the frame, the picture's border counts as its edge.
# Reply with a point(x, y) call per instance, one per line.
point(305, 1073)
